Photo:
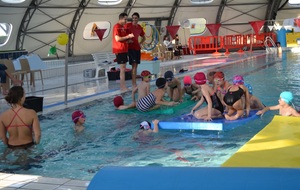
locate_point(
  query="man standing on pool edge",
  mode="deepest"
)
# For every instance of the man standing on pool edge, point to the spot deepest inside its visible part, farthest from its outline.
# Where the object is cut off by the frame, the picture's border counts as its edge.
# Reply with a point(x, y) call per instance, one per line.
point(120, 47)
point(134, 46)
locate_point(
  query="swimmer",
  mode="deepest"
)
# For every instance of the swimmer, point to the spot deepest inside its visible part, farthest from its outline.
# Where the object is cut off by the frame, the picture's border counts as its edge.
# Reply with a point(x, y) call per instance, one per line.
point(145, 126)
point(174, 87)
point(19, 126)
point(210, 77)
point(144, 134)
point(214, 108)
point(234, 99)
point(255, 103)
point(155, 99)
point(220, 85)
point(190, 89)
point(78, 118)
point(143, 89)
point(118, 101)
point(284, 106)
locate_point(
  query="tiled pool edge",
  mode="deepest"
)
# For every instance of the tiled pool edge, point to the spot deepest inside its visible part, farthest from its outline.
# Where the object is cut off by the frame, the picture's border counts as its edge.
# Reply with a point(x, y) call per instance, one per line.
point(20, 181)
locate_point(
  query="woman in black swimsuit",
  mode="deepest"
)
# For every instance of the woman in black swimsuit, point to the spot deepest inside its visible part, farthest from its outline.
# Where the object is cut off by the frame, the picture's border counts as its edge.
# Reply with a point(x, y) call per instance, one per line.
point(233, 99)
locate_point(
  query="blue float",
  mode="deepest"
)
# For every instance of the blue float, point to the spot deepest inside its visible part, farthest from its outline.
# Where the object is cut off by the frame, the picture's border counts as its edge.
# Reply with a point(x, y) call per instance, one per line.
point(189, 122)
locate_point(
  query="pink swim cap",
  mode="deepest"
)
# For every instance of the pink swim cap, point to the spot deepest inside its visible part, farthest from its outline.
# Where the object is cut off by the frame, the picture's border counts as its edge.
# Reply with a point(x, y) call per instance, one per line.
point(76, 115)
point(200, 78)
point(187, 80)
point(238, 80)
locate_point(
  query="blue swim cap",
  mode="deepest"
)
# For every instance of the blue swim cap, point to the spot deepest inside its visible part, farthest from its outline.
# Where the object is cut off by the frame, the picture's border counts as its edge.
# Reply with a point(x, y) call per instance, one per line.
point(287, 97)
point(249, 88)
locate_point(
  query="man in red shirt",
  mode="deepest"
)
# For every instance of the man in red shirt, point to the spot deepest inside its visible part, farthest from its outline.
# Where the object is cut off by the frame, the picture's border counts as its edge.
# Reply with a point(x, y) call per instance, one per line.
point(134, 46)
point(120, 47)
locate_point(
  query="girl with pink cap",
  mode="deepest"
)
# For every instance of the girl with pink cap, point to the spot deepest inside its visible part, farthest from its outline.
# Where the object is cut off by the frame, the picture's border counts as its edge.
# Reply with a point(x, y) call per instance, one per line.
point(214, 108)
point(78, 117)
point(190, 88)
point(220, 84)
point(233, 99)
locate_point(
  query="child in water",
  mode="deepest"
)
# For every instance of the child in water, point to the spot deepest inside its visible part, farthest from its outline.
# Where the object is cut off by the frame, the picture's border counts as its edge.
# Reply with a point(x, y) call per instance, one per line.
point(173, 87)
point(214, 108)
point(144, 134)
point(255, 103)
point(145, 126)
point(190, 89)
point(143, 89)
point(78, 118)
point(155, 99)
point(284, 106)
point(234, 99)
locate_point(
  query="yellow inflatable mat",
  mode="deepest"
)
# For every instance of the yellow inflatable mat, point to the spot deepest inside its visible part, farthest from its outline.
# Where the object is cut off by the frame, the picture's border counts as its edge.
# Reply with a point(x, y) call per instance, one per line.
point(277, 145)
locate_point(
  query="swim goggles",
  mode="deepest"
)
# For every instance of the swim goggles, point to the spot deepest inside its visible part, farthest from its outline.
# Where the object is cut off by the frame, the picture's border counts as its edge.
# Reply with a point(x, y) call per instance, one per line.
point(169, 79)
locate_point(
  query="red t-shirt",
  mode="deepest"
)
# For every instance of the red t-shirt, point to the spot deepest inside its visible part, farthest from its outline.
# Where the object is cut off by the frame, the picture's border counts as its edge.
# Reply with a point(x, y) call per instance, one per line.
point(119, 47)
point(137, 31)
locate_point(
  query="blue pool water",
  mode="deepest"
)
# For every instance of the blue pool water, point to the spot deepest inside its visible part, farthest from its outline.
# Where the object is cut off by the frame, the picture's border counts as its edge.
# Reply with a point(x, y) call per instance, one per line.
point(110, 138)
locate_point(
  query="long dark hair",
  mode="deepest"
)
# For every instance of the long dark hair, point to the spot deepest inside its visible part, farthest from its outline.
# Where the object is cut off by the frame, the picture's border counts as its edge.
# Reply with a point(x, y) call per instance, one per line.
point(15, 95)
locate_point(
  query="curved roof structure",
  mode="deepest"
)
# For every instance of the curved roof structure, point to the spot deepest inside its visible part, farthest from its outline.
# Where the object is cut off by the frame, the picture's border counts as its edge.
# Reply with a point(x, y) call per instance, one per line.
point(37, 23)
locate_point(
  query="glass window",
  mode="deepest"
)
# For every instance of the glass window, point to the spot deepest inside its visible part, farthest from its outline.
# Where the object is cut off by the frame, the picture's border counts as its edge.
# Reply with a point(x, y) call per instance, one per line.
point(13, 1)
point(196, 25)
point(201, 1)
point(294, 2)
point(5, 32)
point(109, 2)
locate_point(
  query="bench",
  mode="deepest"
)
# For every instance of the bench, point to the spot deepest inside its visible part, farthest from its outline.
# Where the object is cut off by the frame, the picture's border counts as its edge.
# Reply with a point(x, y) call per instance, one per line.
point(103, 60)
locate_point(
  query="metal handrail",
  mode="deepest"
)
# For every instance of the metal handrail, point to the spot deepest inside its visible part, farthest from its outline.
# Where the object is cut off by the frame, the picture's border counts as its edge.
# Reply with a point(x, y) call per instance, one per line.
point(268, 38)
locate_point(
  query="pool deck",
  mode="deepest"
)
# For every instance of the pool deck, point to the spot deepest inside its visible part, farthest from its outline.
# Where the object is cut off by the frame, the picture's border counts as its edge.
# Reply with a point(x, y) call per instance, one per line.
point(81, 90)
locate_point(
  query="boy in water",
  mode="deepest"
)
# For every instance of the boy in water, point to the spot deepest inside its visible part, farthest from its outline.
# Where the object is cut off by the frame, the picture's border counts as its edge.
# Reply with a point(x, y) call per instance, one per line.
point(155, 99)
point(255, 103)
point(174, 87)
point(78, 118)
point(145, 126)
point(144, 134)
point(284, 106)
point(143, 90)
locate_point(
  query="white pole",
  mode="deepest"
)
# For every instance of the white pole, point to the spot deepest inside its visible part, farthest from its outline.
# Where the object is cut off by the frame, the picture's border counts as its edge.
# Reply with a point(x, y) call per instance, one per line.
point(66, 69)
point(251, 39)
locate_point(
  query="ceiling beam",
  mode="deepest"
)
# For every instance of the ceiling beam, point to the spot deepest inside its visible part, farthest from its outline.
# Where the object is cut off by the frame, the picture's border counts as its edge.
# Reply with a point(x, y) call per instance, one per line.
point(137, 7)
point(271, 12)
point(173, 12)
point(74, 24)
point(220, 11)
point(129, 6)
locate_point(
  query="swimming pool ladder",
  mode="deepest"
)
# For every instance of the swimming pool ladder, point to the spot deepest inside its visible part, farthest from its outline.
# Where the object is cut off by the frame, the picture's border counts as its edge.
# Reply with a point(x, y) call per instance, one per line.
point(269, 49)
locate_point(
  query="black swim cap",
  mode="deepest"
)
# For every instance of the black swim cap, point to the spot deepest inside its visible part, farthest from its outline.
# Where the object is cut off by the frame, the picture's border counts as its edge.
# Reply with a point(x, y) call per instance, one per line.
point(168, 74)
point(161, 82)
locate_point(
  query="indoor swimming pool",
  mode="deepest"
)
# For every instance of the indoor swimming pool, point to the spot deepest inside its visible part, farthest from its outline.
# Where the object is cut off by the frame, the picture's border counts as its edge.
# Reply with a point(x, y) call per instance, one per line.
point(110, 137)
